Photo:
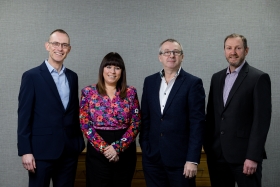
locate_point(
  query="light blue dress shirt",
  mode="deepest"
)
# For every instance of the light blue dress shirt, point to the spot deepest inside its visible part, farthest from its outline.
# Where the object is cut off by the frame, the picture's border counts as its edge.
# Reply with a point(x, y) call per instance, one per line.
point(61, 82)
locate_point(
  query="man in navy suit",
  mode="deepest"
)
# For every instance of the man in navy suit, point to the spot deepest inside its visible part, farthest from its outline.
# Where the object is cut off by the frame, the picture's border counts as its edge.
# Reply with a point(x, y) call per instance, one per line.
point(237, 120)
point(173, 115)
point(49, 136)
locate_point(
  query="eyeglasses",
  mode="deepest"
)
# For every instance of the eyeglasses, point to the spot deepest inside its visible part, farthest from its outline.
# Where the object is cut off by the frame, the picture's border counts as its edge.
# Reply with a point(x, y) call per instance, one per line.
point(168, 53)
point(57, 44)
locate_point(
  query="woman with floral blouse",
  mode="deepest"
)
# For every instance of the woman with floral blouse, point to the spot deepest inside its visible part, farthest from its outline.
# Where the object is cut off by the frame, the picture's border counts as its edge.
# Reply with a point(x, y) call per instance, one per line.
point(110, 120)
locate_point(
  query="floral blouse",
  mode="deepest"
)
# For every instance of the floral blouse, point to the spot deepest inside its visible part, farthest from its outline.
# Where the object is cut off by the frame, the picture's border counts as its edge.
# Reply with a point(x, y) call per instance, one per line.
point(100, 112)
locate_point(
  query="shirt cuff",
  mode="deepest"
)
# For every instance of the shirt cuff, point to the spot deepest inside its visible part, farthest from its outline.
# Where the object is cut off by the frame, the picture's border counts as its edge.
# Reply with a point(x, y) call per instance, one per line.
point(193, 162)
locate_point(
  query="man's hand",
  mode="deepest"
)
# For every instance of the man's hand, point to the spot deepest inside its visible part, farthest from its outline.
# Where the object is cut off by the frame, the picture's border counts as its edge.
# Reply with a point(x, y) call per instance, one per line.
point(111, 154)
point(249, 167)
point(28, 162)
point(190, 170)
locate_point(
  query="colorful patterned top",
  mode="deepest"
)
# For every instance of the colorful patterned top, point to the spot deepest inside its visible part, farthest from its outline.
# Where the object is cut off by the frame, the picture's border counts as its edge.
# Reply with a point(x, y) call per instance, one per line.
point(100, 112)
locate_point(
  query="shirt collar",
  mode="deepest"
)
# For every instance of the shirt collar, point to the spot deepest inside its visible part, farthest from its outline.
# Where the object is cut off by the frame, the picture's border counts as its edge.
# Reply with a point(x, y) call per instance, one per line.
point(237, 70)
point(162, 73)
point(51, 69)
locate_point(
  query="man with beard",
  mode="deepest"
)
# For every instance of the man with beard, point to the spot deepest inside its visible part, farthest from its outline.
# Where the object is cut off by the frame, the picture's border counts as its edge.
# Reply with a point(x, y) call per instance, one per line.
point(237, 120)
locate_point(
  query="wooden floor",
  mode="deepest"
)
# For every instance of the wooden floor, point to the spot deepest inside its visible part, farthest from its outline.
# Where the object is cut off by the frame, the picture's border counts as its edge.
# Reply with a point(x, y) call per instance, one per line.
point(135, 183)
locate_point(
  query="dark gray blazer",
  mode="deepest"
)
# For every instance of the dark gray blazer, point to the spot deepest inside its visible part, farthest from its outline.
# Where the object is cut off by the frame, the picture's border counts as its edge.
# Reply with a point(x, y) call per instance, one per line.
point(239, 129)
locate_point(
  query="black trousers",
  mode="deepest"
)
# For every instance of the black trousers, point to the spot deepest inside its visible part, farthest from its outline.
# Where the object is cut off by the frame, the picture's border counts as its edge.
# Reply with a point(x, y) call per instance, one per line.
point(224, 174)
point(102, 173)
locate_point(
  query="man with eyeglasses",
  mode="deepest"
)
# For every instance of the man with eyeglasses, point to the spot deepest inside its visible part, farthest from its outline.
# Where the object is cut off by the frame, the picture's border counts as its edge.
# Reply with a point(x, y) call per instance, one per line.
point(173, 115)
point(49, 136)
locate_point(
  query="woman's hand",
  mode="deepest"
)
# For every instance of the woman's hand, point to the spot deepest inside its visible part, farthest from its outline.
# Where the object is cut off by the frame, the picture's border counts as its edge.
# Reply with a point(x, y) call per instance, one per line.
point(111, 154)
point(115, 159)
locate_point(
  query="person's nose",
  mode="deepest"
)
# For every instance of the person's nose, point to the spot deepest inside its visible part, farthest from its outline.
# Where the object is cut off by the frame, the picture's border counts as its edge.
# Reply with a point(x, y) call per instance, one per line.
point(60, 47)
point(171, 54)
point(113, 70)
point(233, 51)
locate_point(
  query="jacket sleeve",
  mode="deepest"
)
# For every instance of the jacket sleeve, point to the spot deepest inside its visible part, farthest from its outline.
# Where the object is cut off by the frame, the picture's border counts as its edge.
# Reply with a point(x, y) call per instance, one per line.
point(145, 126)
point(25, 114)
point(196, 102)
point(261, 120)
point(210, 121)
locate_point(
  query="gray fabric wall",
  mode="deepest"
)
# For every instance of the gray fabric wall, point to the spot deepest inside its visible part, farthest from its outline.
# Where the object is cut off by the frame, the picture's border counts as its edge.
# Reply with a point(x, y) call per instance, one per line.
point(134, 29)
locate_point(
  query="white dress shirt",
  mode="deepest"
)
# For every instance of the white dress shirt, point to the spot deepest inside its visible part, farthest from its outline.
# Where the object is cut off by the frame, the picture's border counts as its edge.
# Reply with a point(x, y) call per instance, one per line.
point(165, 88)
point(164, 91)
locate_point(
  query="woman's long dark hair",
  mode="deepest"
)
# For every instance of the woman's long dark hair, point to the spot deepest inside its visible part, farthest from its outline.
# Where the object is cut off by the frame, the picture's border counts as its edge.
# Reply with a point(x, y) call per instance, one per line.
point(114, 59)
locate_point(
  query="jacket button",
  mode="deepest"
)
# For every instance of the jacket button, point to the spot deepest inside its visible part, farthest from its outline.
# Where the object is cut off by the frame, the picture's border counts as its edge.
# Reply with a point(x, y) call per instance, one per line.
point(222, 132)
point(161, 119)
point(161, 134)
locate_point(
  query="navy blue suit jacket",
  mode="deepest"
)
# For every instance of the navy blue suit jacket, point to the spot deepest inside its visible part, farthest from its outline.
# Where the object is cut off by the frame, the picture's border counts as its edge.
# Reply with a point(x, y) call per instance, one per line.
point(176, 135)
point(45, 128)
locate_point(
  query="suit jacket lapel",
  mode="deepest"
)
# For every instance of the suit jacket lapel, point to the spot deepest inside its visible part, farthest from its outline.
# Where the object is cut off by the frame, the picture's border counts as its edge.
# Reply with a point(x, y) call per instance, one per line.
point(156, 94)
point(221, 89)
point(177, 84)
point(241, 75)
point(50, 82)
point(70, 83)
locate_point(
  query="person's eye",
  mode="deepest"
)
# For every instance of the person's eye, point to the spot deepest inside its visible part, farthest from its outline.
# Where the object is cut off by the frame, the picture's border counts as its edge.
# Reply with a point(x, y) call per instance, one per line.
point(56, 43)
point(65, 45)
point(117, 68)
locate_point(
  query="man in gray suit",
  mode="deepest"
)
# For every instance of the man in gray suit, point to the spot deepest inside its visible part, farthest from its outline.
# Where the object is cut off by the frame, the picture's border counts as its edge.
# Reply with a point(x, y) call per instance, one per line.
point(238, 119)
